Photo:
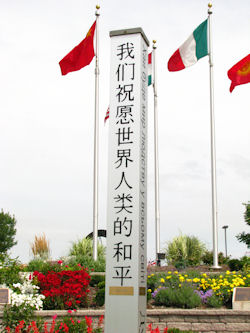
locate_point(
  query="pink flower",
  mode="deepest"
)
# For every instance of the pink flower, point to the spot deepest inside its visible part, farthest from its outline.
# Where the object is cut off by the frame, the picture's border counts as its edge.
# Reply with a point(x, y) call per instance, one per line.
point(69, 311)
point(60, 262)
point(54, 317)
point(79, 321)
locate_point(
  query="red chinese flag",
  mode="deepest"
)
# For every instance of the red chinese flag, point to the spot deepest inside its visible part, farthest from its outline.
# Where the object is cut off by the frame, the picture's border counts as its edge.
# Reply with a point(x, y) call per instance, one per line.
point(81, 55)
point(240, 73)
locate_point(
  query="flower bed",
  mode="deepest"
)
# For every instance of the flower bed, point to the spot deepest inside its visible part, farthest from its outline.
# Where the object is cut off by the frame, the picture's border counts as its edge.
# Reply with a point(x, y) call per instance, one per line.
point(65, 289)
point(193, 289)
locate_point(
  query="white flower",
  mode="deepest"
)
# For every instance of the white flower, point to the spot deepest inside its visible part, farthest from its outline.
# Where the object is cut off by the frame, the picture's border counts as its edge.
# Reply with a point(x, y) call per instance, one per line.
point(27, 293)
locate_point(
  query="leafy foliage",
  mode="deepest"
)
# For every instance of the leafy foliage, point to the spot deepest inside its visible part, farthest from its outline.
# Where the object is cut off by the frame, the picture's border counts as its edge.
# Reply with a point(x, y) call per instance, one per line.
point(84, 247)
point(245, 237)
point(9, 270)
point(185, 251)
point(100, 295)
point(13, 314)
point(183, 297)
point(207, 258)
point(42, 266)
point(7, 232)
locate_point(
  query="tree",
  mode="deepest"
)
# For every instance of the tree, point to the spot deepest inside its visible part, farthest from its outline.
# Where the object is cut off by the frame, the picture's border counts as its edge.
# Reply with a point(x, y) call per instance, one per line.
point(7, 231)
point(245, 237)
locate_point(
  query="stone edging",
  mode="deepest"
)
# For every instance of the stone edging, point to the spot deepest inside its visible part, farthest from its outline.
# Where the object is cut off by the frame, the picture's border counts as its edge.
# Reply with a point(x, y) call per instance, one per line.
point(198, 320)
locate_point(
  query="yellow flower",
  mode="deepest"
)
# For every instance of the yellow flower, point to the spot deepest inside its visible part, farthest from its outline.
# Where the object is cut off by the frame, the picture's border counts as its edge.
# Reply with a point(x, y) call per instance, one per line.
point(169, 272)
point(175, 272)
point(179, 285)
point(196, 280)
point(228, 272)
point(162, 280)
point(149, 290)
point(168, 277)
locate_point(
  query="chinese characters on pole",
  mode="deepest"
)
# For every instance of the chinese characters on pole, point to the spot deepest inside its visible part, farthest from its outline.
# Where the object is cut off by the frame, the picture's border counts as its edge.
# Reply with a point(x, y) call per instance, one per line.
point(126, 269)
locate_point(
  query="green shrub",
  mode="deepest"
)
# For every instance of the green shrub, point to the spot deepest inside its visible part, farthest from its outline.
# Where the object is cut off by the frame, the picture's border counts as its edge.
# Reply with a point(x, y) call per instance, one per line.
point(9, 271)
point(183, 297)
point(100, 294)
point(95, 279)
point(214, 301)
point(246, 263)
point(42, 266)
point(185, 251)
point(12, 315)
point(97, 266)
point(84, 247)
point(235, 264)
point(207, 258)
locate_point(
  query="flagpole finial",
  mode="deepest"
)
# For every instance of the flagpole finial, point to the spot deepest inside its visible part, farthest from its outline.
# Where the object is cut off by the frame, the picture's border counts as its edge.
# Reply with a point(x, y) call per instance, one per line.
point(97, 10)
point(210, 8)
point(154, 42)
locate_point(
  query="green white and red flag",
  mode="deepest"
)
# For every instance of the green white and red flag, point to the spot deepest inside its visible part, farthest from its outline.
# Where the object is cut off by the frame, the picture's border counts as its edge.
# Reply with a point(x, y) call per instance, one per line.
point(240, 73)
point(150, 69)
point(81, 55)
point(194, 48)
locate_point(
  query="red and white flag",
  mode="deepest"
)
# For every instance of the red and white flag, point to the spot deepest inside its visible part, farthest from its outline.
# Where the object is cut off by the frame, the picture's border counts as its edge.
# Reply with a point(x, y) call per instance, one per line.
point(107, 116)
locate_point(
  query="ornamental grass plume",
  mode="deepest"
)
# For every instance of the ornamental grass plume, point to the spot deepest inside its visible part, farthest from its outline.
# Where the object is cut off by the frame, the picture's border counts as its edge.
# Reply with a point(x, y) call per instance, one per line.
point(40, 247)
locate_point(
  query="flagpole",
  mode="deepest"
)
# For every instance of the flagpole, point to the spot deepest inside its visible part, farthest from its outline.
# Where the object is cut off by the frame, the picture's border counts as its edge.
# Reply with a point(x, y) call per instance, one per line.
point(213, 153)
point(157, 210)
point(96, 138)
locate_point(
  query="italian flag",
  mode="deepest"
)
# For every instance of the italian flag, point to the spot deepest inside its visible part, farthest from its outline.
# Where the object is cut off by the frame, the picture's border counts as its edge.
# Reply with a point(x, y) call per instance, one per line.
point(194, 48)
point(149, 69)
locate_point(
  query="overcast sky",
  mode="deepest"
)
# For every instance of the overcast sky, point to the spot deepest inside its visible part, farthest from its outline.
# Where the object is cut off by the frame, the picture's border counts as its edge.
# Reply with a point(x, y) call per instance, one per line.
point(47, 120)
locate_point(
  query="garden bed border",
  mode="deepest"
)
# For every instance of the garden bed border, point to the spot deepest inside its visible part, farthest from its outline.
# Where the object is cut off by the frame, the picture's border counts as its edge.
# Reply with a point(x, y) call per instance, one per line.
point(198, 320)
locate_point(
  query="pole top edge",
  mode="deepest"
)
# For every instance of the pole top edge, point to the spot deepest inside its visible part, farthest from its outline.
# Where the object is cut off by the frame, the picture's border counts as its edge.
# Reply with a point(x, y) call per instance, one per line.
point(129, 32)
point(210, 5)
point(97, 7)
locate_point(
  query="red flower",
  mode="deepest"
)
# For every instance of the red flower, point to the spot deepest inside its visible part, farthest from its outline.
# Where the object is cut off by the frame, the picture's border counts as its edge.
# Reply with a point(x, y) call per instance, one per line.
point(100, 320)
point(88, 321)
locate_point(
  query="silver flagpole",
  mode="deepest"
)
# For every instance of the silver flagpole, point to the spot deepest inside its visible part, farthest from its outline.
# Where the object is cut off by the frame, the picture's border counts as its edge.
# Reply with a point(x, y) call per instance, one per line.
point(96, 139)
point(213, 153)
point(157, 210)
